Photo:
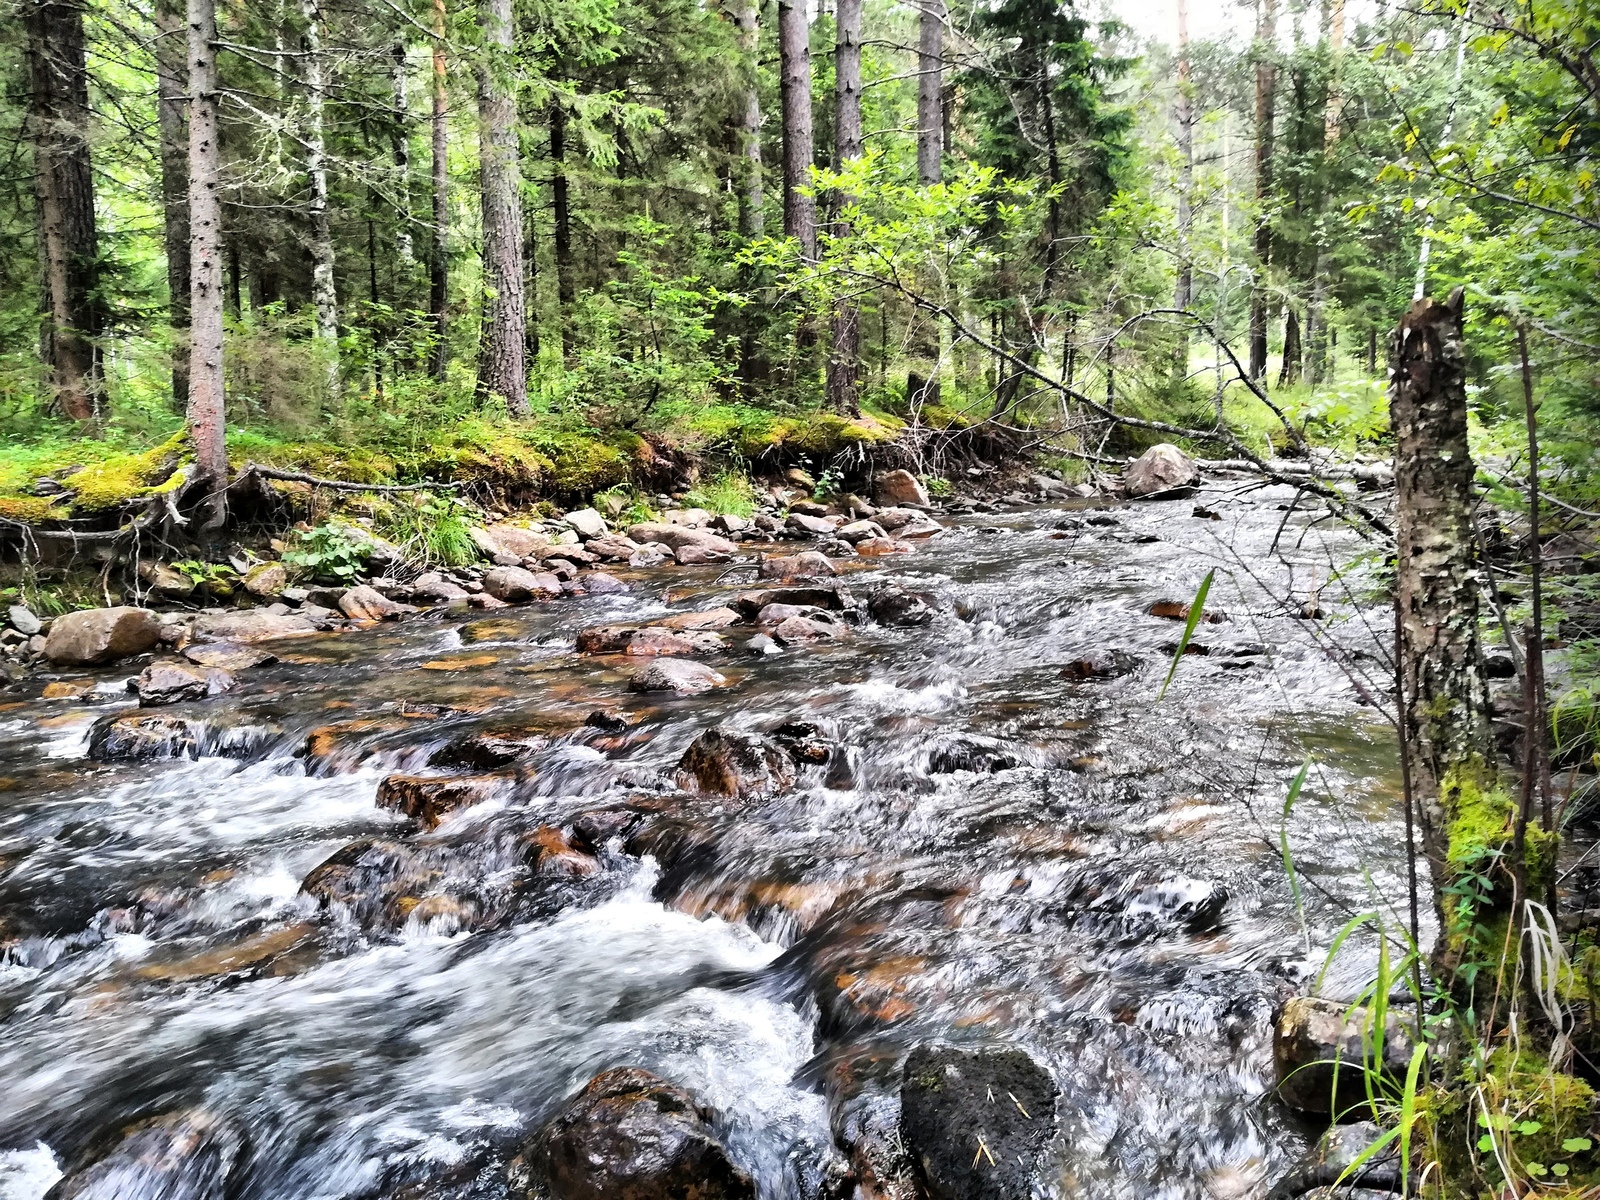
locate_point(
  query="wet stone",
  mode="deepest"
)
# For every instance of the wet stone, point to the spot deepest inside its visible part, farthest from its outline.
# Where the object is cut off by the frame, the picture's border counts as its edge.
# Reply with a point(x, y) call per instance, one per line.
point(683, 676)
point(488, 749)
point(1335, 1152)
point(139, 737)
point(891, 605)
point(428, 799)
point(186, 1155)
point(724, 761)
point(249, 627)
point(228, 656)
point(975, 1121)
point(1101, 664)
point(101, 635)
point(1311, 1034)
point(806, 565)
point(601, 583)
point(169, 681)
point(980, 755)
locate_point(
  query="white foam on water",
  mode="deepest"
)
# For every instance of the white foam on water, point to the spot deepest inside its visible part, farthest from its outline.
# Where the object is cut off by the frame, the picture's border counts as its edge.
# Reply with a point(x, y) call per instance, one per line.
point(28, 1174)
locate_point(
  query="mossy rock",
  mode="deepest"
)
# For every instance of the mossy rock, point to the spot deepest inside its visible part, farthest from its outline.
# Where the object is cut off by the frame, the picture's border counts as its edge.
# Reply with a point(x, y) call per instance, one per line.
point(32, 509)
point(818, 434)
point(117, 480)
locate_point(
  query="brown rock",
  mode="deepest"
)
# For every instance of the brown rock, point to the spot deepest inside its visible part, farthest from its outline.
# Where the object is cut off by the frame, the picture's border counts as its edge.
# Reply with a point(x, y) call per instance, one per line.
point(859, 531)
point(798, 630)
point(711, 618)
point(807, 565)
point(877, 547)
point(430, 798)
point(438, 590)
point(365, 603)
point(1311, 1034)
point(815, 526)
point(605, 639)
point(683, 676)
point(701, 545)
point(183, 1155)
point(900, 488)
point(267, 580)
point(249, 627)
point(630, 1135)
point(600, 583)
point(921, 527)
point(490, 748)
point(101, 635)
point(228, 656)
point(724, 761)
point(612, 548)
point(167, 582)
point(653, 640)
point(556, 857)
point(517, 541)
point(1159, 470)
point(513, 585)
point(172, 682)
point(893, 518)
point(821, 595)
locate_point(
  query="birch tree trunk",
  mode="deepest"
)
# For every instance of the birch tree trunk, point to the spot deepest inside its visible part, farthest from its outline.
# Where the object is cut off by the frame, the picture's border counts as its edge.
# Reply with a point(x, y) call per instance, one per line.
point(1266, 101)
point(561, 205)
point(64, 187)
point(794, 54)
point(172, 113)
point(844, 357)
point(930, 92)
point(752, 197)
point(1184, 293)
point(401, 135)
point(1445, 727)
point(438, 243)
point(206, 412)
point(1317, 343)
point(502, 347)
point(324, 298)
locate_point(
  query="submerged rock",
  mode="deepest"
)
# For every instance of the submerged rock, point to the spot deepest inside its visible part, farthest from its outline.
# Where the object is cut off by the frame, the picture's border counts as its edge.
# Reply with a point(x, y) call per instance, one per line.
point(975, 1121)
point(970, 753)
point(184, 1155)
point(1332, 1156)
point(1311, 1034)
point(1160, 470)
point(428, 799)
point(490, 748)
point(630, 1135)
point(142, 736)
point(101, 635)
point(680, 675)
point(1100, 664)
point(724, 761)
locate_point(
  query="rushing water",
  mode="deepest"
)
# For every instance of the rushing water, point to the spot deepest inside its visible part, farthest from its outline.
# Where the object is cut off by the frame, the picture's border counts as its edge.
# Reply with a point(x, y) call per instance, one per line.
point(1112, 898)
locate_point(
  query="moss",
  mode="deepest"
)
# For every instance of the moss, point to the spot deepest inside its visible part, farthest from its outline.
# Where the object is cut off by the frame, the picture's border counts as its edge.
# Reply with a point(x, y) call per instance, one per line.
point(124, 477)
point(32, 509)
point(817, 434)
point(352, 464)
point(582, 464)
point(940, 417)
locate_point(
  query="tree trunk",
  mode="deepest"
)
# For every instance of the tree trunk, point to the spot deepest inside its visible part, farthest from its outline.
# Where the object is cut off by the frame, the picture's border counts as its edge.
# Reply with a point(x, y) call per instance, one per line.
point(794, 53)
point(64, 185)
point(401, 136)
point(1316, 319)
point(930, 91)
point(1289, 373)
point(1184, 294)
point(561, 202)
point(502, 357)
point(1444, 725)
point(324, 299)
point(438, 246)
point(172, 113)
point(206, 413)
point(1266, 100)
point(844, 358)
point(752, 197)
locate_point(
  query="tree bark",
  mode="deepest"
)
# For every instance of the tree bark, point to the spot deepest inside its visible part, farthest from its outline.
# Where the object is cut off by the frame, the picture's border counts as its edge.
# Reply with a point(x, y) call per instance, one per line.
point(1266, 100)
point(502, 356)
point(844, 358)
point(438, 244)
point(1445, 730)
point(64, 186)
point(752, 197)
point(1317, 362)
point(561, 203)
point(324, 297)
point(400, 134)
point(172, 113)
point(794, 54)
point(1289, 373)
point(930, 91)
point(1185, 120)
point(206, 413)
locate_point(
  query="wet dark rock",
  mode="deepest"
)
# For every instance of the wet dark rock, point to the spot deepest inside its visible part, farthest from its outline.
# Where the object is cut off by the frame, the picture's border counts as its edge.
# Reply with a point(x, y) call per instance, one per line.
point(830, 596)
point(513, 585)
point(900, 488)
point(554, 855)
point(630, 1135)
point(593, 829)
point(805, 741)
point(488, 749)
point(724, 761)
point(878, 547)
point(975, 1122)
point(94, 636)
point(610, 722)
point(1162, 471)
point(169, 681)
point(894, 605)
point(376, 879)
point(970, 753)
point(1333, 1155)
point(428, 799)
point(807, 565)
point(601, 583)
point(867, 1129)
point(711, 618)
point(250, 626)
point(680, 675)
point(228, 656)
point(1101, 664)
point(186, 1155)
point(1310, 1034)
point(799, 630)
point(138, 737)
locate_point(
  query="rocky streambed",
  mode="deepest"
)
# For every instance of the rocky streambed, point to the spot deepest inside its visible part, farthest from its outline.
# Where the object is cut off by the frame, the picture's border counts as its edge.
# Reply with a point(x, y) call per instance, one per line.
point(883, 875)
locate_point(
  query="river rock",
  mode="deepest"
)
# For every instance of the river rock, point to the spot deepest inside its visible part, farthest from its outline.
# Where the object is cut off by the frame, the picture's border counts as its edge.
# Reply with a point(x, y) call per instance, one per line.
point(798, 630)
point(140, 736)
point(893, 518)
point(710, 618)
point(806, 565)
point(517, 541)
point(23, 620)
point(605, 639)
point(819, 595)
point(701, 544)
point(724, 761)
point(487, 749)
point(680, 675)
point(970, 752)
point(975, 1122)
point(250, 626)
point(895, 605)
point(612, 548)
point(1311, 1033)
point(811, 526)
point(1100, 664)
point(438, 590)
point(366, 603)
point(428, 799)
point(376, 879)
point(878, 547)
point(228, 656)
point(186, 1155)
point(630, 1135)
point(1332, 1156)
point(732, 523)
point(166, 581)
point(651, 554)
point(859, 531)
point(513, 585)
point(921, 527)
point(171, 682)
point(586, 523)
point(266, 581)
point(1159, 470)
point(553, 855)
point(101, 635)
point(899, 488)
point(601, 583)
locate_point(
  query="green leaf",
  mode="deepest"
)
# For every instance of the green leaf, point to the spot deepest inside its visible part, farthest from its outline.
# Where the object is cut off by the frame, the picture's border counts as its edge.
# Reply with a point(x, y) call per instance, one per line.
point(1559, 1169)
point(1528, 1128)
point(1577, 1145)
point(1196, 611)
point(1536, 1169)
point(1486, 1143)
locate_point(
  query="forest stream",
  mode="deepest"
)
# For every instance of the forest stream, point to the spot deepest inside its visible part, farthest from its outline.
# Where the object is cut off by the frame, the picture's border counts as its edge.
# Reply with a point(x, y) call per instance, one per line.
point(986, 850)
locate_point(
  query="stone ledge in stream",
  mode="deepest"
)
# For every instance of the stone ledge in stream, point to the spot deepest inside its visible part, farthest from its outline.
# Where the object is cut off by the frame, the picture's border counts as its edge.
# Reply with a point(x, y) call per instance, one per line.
point(134, 737)
point(185, 1154)
point(648, 641)
point(630, 1135)
point(428, 799)
point(487, 749)
point(724, 761)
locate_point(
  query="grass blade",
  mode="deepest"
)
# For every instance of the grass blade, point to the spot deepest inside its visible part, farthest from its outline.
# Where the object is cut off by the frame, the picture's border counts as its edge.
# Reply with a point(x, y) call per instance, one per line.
point(1196, 611)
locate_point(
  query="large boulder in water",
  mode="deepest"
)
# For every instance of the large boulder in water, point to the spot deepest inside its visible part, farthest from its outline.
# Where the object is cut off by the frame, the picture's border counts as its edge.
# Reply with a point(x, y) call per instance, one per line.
point(899, 488)
point(170, 681)
point(101, 635)
point(724, 761)
point(680, 675)
point(630, 1135)
point(1311, 1035)
point(184, 1155)
point(1160, 469)
point(975, 1121)
point(250, 626)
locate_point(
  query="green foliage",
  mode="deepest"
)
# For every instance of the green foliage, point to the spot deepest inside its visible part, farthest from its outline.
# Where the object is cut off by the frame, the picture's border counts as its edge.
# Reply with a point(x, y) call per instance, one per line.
point(729, 492)
point(430, 528)
point(331, 550)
